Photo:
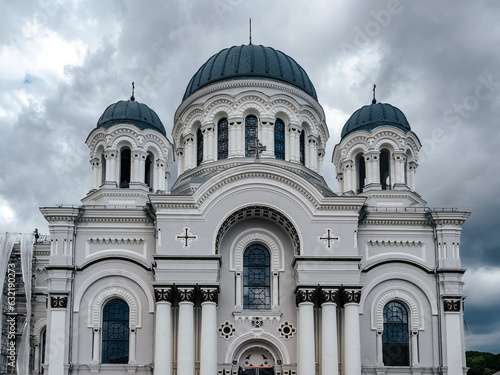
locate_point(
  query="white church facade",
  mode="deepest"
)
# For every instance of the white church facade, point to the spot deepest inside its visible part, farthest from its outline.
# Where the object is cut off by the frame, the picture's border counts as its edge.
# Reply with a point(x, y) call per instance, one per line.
point(248, 263)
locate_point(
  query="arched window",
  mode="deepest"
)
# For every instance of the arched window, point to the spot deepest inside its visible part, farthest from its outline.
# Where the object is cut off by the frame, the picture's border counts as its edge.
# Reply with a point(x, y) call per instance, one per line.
point(251, 133)
point(395, 337)
point(360, 172)
point(256, 278)
point(222, 139)
point(279, 139)
point(199, 146)
point(302, 147)
point(385, 169)
point(103, 169)
point(149, 170)
point(115, 332)
point(124, 167)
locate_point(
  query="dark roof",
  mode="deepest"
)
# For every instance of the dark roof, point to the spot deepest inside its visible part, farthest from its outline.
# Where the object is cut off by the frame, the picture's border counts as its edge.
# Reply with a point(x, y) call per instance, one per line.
point(131, 112)
point(373, 115)
point(250, 61)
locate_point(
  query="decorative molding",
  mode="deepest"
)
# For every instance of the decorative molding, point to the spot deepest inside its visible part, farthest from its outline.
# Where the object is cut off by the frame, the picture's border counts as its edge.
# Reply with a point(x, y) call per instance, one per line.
point(407, 299)
point(452, 305)
point(58, 302)
point(328, 239)
point(395, 243)
point(108, 292)
point(329, 296)
point(305, 295)
point(209, 295)
point(257, 321)
point(267, 317)
point(186, 295)
point(186, 237)
point(287, 330)
point(164, 295)
point(257, 235)
point(116, 241)
point(226, 330)
point(350, 296)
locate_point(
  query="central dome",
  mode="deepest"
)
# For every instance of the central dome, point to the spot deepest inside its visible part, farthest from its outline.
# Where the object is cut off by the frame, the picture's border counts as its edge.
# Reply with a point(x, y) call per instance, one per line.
point(250, 61)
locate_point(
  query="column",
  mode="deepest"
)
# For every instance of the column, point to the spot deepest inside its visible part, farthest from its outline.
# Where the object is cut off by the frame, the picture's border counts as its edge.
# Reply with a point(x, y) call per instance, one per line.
point(111, 157)
point(414, 348)
point(185, 336)
point(453, 339)
point(211, 143)
point(236, 137)
point(294, 132)
point(348, 176)
point(329, 350)
point(57, 335)
point(95, 172)
point(306, 363)
point(239, 291)
point(131, 350)
point(163, 333)
point(312, 159)
point(321, 155)
point(399, 164)
point(352, 343)
point(180, 164)
point(208, 345)
point(411, 175)
point(159, 176)
point(267, 126)
point(97, 345)
point(275, 294)
point(190, 152)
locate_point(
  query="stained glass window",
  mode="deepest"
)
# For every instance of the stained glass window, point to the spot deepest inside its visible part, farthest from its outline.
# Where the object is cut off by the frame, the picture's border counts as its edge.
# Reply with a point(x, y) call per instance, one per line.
point(395, 338)
point(256, 278)
point(302, 147)
point(279, 139)
point(222, 139)
point(115, 332)
point(199, 147)
point(251, 134)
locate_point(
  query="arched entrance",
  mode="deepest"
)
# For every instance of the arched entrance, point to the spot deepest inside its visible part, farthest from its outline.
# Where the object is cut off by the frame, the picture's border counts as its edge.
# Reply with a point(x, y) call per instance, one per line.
point(256, 361)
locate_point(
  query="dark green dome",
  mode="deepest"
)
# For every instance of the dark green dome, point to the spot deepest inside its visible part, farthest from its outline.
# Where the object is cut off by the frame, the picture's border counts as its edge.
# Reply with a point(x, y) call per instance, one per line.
point(250, 61)
point(131, 112)
point(373, 115)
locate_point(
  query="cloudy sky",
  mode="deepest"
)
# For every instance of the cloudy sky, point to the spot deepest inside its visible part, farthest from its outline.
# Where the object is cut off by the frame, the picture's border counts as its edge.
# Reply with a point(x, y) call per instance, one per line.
point(63, 62)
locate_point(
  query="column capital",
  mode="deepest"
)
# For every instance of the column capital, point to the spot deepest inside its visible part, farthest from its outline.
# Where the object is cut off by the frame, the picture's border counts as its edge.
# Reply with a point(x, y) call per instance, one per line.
point(58, 301)
point(329, 295)
point(209, 295)
point(350, 295)
point(186, 294)
point(305, 295)
point(164, 294)
point(452, 304)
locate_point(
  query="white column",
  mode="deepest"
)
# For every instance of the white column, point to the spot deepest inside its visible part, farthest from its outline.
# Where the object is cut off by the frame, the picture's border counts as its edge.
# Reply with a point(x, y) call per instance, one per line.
point(348, 177)
point(321, 155)
point(57, 336)
point(95, 172)
point(268, 137)
point(399, 163)
point(36, 361)
point(97, 345)
point(453, 339)
point(181, 162)
point(159, 177)
point(414, 349)
point(208, 346)
point(352, 338)
point(275, 295)
point(239, 290)
point(306, 363)
point(380, 349)
point(111, 158)
point(185, 336)
point(189, 152)
point(131, 349)
point(312, 159)
point(163, 343)
point(329, 350)
point(212, 143)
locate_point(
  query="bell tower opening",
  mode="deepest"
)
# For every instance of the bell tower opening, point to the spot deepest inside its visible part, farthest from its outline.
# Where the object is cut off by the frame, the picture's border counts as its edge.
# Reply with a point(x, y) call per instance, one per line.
point(385, 169)
point(360, 172)
point(125, 167)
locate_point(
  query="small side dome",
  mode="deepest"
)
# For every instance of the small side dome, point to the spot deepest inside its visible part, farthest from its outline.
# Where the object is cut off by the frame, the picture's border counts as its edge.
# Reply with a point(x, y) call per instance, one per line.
point(250, 61)
point(373, 115)
point(131, 112)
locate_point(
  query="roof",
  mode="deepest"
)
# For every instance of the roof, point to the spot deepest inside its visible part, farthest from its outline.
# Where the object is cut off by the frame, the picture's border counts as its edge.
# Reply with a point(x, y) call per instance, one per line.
point(131, 112)
point(373, 115)
point(250, 61)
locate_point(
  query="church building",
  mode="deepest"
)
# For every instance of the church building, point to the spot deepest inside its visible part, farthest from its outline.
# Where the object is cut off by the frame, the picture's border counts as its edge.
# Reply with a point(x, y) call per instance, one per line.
point(247, 262)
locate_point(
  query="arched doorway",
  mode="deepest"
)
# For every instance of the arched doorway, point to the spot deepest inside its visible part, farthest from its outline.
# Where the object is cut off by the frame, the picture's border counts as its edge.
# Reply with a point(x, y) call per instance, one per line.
point(256, 361)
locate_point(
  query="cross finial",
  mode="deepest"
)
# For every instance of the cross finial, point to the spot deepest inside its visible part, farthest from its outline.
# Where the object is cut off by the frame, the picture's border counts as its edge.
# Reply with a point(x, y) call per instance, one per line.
point(374, 100)
point(250, 31)
point(133, 88)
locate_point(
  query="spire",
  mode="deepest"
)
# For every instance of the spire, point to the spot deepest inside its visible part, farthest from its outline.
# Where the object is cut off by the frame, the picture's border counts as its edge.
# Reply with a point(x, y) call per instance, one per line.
point(132, 97)
point(250, 31)
point(374, 101)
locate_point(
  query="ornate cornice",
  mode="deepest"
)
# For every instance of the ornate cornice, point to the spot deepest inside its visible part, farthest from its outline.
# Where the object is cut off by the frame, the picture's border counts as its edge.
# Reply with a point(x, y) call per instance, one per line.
point(164, 294)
